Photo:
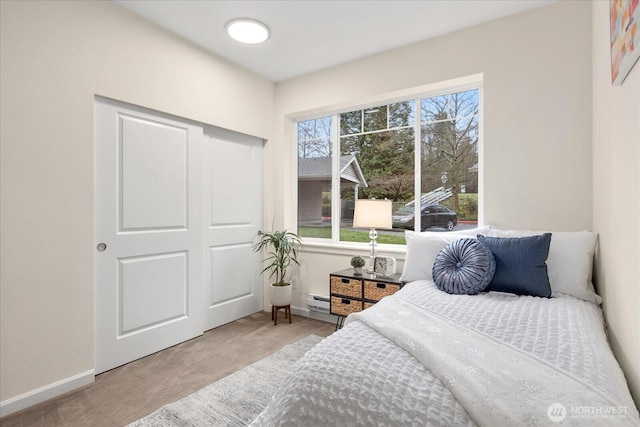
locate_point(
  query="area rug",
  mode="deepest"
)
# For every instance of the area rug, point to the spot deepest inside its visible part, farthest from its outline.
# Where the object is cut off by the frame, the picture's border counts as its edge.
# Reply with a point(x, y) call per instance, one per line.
point(235, 400)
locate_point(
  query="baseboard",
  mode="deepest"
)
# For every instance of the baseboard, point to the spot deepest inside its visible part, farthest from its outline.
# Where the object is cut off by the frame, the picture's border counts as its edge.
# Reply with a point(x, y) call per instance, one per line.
point(47, 392)
point(303, 311)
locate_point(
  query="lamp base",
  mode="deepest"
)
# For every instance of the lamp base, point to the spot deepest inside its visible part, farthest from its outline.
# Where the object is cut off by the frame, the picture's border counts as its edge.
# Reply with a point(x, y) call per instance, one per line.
point(373, 235)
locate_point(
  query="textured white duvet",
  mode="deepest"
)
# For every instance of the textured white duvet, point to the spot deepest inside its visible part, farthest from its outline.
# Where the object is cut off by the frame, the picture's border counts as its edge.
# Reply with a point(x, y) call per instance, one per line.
point(359, 377)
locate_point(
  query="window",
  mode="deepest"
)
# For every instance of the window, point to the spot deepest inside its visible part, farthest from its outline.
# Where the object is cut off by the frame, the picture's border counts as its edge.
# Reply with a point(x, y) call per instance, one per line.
point(429, 169)
point(314, 177)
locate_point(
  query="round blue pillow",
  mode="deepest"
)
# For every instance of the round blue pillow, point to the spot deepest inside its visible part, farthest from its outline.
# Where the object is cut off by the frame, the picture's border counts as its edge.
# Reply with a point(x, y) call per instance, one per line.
point(464, 266)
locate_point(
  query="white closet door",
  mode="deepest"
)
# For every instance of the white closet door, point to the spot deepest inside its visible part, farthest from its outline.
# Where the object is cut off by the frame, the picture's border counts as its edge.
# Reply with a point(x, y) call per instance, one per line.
point(233, 214)
point(148, 232)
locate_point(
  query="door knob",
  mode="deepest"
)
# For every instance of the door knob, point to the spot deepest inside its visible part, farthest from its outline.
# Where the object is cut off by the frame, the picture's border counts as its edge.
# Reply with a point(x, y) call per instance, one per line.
point(101, 247)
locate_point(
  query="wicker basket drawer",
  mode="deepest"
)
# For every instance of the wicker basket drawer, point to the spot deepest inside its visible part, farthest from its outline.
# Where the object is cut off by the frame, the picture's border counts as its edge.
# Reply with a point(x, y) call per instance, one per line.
point(368, 304)
point(346, 287)
point(344, 306)
point(377, 290)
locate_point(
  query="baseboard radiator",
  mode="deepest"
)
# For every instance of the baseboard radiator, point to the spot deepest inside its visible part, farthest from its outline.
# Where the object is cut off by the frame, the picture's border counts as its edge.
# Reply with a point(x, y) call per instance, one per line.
point(318, 303)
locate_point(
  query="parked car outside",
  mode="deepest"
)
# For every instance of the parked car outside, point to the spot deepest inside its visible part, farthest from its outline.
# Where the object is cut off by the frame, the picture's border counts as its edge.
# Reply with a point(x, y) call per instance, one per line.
point(431, 216)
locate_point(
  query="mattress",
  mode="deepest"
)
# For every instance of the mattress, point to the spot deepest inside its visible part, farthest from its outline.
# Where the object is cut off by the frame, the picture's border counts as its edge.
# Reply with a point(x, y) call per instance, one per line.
point(358, 376)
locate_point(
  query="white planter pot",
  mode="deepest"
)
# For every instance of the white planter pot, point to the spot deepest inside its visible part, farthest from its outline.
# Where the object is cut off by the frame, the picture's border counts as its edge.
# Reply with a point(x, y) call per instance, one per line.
point(280, 295)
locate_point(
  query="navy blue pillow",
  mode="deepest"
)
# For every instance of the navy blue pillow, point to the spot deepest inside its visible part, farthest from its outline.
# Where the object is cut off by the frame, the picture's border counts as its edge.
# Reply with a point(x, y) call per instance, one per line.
point(520, 264)
point(464, 266)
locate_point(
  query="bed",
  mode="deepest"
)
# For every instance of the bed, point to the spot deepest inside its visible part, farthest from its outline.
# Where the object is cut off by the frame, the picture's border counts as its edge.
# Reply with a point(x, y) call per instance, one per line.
point(496, 357)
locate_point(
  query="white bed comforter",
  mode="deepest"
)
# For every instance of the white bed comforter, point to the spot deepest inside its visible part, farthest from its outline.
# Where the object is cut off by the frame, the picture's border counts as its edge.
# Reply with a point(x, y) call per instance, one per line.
point(359, 377)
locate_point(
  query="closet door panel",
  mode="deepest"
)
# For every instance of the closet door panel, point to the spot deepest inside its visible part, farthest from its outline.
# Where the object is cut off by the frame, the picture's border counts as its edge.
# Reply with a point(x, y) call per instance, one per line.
point(234, 207)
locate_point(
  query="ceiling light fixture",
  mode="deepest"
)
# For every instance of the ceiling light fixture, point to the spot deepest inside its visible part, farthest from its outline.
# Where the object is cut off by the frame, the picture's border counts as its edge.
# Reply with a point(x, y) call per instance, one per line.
point(247, 31)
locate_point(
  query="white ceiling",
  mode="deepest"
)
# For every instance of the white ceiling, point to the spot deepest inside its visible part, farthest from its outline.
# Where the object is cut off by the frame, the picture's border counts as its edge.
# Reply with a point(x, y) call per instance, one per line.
point(310, 35)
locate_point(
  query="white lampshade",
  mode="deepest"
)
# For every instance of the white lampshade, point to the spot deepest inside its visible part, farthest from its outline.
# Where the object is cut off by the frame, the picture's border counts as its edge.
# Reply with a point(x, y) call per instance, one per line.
point(371, 213)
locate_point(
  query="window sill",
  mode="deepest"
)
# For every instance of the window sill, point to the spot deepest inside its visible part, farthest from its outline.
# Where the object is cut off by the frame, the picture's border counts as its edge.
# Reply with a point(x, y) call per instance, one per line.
point(348, 248)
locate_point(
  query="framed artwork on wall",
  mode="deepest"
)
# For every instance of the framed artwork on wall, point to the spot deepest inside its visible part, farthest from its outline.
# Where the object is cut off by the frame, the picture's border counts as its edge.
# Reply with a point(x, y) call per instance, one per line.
point(624, 33)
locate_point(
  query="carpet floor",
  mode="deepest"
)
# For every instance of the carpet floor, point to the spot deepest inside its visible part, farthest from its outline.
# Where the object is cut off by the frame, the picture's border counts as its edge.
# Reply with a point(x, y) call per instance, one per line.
point(236, 399)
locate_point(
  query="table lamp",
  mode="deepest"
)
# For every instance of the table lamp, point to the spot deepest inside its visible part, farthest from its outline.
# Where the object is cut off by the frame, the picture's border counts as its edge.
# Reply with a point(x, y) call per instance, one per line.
point(372, 214)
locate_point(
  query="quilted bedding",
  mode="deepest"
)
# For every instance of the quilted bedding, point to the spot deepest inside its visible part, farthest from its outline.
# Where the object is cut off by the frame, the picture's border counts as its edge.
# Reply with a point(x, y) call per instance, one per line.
point(359, 377)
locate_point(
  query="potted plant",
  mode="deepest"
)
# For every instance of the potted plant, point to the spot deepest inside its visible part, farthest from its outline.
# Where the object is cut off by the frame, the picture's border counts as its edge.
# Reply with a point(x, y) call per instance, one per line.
point(281, 249)
point(357, 262)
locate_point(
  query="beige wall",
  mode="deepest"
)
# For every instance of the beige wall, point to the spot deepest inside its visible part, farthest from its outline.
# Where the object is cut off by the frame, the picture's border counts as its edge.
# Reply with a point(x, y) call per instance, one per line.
point(616, 199)
point(537, 115)
point(55, 56)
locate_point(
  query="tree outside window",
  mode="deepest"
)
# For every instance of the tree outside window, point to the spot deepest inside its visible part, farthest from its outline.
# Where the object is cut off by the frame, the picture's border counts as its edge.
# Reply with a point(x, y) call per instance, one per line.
point(449, 139)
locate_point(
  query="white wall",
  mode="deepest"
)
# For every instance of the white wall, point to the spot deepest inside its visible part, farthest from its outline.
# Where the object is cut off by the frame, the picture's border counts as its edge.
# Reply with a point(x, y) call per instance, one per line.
point(55, 56)
point(616, 199)
point(537, 115)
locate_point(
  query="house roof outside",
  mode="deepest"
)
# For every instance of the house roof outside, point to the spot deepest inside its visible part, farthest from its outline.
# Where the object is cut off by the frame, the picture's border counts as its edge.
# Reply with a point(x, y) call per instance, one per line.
point(320, 168)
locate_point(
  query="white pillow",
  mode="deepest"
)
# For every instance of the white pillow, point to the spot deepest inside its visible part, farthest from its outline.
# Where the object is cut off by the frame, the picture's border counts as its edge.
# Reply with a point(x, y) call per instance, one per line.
point(422, 249)
point(570, 261)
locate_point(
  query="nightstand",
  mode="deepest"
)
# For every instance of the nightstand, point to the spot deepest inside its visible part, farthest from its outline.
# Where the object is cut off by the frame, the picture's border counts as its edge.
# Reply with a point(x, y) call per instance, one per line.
point(350, 293)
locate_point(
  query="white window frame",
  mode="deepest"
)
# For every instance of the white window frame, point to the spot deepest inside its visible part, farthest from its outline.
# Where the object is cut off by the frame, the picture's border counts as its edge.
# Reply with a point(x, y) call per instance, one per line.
point(473, 82)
